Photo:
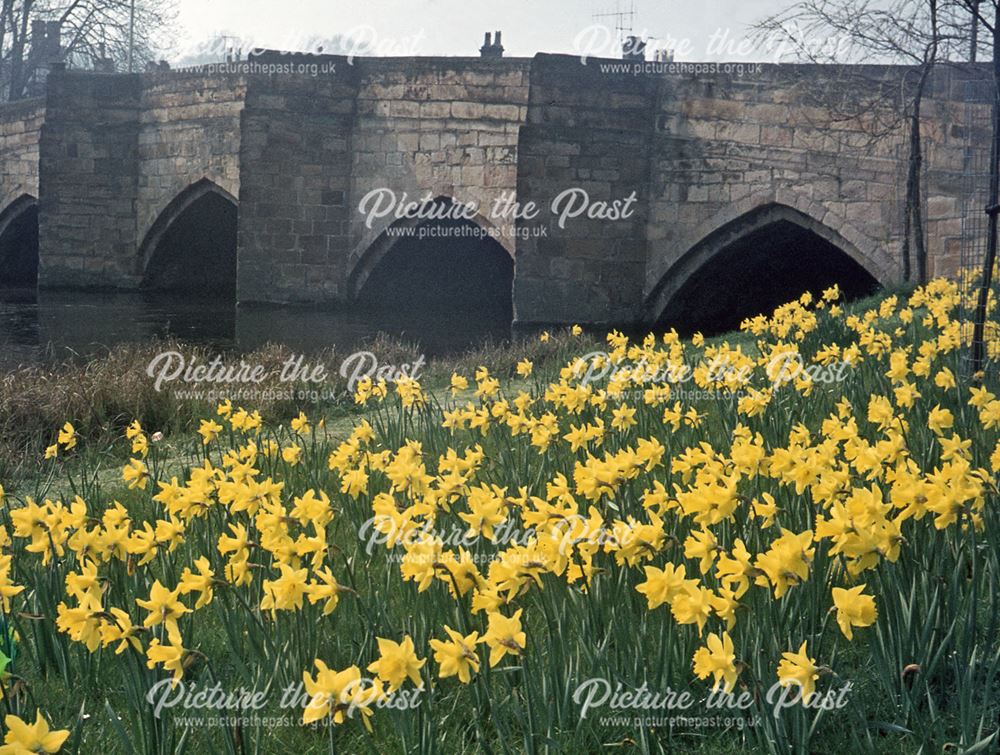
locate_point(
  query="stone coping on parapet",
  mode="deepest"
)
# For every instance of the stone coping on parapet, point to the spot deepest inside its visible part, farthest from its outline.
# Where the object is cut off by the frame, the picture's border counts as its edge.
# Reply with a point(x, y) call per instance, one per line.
point(961, 72)
point(21, 107)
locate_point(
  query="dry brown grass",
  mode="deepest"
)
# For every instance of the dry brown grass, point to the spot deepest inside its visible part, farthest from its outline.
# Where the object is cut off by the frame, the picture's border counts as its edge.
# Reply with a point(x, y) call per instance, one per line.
point(101, 396)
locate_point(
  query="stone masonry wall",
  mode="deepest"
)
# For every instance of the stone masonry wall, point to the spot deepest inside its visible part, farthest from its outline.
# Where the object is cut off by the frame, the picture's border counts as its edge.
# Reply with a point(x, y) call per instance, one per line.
point(295, 160)
point(444, 127)
point(88, 176)
point(189, 129)
point(313, 147)
point(829, 143)
point(20, 130)
point(797, 136)
point(957, 132)
point(591, 132)
point(699, 154)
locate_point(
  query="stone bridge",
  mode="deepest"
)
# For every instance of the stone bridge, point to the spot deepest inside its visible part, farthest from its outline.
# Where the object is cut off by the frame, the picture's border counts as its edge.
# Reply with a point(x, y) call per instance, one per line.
point(738, 186)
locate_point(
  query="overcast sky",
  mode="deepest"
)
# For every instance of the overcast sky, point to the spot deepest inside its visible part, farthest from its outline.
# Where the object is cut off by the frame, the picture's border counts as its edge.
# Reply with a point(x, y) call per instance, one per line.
point(698, 29)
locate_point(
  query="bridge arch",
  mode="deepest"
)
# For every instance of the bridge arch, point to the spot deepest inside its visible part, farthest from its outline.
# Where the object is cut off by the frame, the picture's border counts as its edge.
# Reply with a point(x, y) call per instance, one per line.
point(747, 263)
point(191, 245)
point(435, 265)
point(19, 243)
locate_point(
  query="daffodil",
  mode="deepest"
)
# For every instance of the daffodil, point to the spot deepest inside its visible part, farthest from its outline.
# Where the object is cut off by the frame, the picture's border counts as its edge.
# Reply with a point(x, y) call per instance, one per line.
point(22, 738)
point(940, 420)
point(504, 636)
point(286, 592)
point(67, 437)
point(662, 585)
point(164, 607)
point(457, 655)
point(799, 669)
point(325, 589)
point(300, 424)
point(135, 474)
point(717, 659)
point(170, 656)
point(397, 662)
point(209, 431)
point(338, 694)
point(292, 455)
point(854, 609)
point(458, 384)
point(201, 582)
point(354, 482)
point(120, 629)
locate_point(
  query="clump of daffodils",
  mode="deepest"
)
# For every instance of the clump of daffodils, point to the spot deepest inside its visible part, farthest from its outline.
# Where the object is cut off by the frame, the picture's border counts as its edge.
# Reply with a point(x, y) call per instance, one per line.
point(495, 509)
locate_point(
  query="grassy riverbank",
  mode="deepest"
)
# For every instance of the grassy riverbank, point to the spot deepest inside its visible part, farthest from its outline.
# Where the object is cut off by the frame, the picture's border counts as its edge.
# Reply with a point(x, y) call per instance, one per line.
point(103, 395)
point(520, 560)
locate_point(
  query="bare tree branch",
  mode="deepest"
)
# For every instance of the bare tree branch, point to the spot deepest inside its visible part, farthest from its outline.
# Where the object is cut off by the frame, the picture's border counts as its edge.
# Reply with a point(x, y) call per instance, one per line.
point(91, 30)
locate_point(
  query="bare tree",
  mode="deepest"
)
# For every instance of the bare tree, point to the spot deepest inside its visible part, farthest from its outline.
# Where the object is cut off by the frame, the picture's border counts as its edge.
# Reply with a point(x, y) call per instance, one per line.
point(127, 32)
point(913, 216)
point(17, 21)
point(990, 21)
point(973, 29)
point(92, 25)
point(6, 13)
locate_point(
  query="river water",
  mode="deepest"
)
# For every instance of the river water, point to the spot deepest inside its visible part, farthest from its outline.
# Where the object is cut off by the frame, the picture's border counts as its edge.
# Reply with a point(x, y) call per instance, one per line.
point(55, 325)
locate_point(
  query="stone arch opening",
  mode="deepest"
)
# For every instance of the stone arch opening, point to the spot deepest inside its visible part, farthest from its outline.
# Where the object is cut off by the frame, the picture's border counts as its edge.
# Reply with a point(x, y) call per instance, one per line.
point(19, 244)
point(192, 245)
point(755, 264)
point(437, 267)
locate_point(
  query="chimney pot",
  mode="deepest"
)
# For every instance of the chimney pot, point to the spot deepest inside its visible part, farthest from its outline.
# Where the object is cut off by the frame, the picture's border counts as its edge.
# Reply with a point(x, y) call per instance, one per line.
point(492, 48)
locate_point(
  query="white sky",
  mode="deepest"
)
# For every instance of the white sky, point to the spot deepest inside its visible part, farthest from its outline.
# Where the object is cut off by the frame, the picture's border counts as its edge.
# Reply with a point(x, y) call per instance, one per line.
point(456, 27)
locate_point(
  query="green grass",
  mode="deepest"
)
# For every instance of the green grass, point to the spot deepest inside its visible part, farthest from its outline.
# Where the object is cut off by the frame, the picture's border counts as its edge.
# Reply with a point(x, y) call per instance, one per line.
point(938, 604)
